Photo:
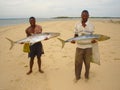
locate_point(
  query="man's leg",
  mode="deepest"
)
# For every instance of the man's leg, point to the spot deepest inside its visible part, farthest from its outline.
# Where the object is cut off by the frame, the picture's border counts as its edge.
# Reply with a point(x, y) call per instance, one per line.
point(78, 63)
point(88, 55)
point(39, 64)
point(31, 65)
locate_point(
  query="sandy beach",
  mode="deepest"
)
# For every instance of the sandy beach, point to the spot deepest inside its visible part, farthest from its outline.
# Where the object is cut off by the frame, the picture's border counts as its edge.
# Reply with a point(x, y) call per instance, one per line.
point(57, 63)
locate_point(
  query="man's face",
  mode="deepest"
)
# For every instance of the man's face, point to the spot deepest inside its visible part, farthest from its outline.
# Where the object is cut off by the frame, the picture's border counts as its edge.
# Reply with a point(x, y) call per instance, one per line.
point(84, 16)
point(32, 22)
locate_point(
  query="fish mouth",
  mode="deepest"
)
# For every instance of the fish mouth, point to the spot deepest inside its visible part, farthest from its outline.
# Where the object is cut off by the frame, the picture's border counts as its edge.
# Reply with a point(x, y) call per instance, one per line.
point(107, 38)
point(51, 33)
point(55, 34)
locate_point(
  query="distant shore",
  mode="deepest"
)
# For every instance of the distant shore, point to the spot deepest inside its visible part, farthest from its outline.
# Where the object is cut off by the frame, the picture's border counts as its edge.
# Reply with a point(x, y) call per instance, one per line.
point(15, 21)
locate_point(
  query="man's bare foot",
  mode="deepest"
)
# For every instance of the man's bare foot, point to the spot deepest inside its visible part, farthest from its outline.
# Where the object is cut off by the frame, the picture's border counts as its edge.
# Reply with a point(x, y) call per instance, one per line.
point(28, 73)
point(41, 71)
point(76, 80)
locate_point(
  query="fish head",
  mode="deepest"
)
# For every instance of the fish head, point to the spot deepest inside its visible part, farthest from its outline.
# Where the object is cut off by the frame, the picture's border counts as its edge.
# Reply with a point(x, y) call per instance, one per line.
point(103, 37)
point(54, 34)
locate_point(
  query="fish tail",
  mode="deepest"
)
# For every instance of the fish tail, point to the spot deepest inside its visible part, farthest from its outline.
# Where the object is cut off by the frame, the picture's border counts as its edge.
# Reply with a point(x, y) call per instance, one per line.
point(11, 42)
point(62, 41)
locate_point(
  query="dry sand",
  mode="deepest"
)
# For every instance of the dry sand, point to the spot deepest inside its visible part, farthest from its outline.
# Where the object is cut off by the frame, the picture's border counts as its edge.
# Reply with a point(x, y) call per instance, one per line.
point(57, 63)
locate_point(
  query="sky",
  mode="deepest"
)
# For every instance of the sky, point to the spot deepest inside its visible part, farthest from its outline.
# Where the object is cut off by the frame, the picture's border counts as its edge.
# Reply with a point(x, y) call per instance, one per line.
point(56, 8)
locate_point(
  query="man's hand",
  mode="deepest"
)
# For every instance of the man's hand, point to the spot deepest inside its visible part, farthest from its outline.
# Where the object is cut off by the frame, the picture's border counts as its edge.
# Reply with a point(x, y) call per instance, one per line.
point(93, 41)
point(73, 41)
point(21, 43)
point(46, 38)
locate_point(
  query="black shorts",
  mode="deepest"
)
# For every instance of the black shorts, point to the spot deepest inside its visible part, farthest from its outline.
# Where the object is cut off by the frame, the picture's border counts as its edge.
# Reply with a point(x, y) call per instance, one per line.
point(36, 50)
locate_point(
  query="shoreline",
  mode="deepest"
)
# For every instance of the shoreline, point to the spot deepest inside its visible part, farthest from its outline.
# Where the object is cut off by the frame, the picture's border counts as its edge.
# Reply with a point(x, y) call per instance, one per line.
point(17, 21)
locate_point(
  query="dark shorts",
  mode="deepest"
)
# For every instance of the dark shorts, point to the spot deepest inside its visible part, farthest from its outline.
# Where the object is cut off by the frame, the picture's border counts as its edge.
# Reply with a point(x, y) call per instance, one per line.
point(36, 50)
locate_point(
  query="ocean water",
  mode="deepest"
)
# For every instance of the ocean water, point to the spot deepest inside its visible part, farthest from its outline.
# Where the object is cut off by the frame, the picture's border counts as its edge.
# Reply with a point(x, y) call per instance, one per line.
point(15, 21)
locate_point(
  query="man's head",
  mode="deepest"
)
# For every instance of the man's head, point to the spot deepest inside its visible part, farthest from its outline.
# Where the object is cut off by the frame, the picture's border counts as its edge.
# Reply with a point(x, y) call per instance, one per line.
point(32, 21)
point(85, 15)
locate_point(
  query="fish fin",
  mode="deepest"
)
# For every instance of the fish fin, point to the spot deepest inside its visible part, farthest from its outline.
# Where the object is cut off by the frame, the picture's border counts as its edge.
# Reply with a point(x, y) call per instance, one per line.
point(62, 41)
point(11, 42)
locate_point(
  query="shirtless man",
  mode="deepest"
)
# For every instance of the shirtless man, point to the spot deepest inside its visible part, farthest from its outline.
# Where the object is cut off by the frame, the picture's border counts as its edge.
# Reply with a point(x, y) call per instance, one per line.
point(37, 48)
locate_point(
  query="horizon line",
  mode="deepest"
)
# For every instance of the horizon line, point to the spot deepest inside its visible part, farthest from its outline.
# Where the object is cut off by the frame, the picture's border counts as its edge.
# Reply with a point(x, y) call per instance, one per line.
point(57, 17)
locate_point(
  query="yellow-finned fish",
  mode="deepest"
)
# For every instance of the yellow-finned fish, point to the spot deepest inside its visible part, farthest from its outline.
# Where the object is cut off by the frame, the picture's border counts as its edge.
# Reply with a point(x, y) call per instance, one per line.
point(34, 38)
point(80, 39)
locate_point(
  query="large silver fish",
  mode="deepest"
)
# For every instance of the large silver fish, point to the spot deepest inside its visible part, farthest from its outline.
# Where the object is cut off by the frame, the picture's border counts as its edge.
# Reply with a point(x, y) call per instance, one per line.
point(34, 38)
point(85, 39)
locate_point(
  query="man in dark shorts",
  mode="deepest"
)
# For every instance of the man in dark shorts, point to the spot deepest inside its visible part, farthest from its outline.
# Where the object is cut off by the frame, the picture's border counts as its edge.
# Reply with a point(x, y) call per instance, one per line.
point(37, 48)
